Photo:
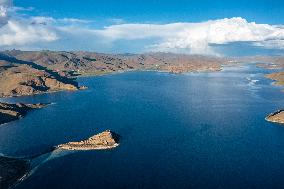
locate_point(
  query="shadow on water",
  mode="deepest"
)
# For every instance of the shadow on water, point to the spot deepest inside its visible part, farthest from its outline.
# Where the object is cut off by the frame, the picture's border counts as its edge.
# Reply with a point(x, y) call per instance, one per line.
point(33, 162)
point(37, 161)
point(14, 170)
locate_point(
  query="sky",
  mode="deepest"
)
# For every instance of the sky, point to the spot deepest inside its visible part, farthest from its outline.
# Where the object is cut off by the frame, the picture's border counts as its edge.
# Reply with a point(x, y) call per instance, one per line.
point(220, 28)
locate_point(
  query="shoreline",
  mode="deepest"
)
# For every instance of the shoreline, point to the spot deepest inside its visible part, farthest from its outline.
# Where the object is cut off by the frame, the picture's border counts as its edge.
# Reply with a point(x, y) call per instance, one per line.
point(12, 112)
point(222, 68)
point(14, 170)
point(86, 148)
point(105, 74)
point(23, 177)
point(276, 117)
point(44, 92)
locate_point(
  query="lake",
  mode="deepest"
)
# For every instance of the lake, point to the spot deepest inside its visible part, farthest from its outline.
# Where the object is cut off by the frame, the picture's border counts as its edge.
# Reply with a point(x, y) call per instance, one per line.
point(194, 130)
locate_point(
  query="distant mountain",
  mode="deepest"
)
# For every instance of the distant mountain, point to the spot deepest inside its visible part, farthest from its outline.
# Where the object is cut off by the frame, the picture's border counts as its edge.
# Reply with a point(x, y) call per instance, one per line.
point(33, 72)
point(84, 63)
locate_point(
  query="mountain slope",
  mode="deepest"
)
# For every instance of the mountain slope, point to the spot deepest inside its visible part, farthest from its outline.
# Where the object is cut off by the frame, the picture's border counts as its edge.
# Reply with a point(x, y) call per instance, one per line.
point(19, 77)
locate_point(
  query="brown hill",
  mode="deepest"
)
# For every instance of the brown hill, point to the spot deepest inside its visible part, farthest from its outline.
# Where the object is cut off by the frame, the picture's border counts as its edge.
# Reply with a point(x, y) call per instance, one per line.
point(85, 63)
point(19, 77)
point(34, 72)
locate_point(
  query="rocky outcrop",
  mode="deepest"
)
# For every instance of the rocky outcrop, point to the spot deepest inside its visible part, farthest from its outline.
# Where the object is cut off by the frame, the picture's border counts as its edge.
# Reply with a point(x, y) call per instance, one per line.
point(278, 77)
point(11, 170)
point(12, 112)
point(104, 140)
point(268, 62)
point(276, 117)
point(18, 78)
point(83, 87)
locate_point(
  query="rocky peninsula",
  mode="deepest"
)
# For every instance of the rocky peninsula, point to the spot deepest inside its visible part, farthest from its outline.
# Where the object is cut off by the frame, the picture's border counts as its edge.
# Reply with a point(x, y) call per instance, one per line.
point(278, 77)
point(276, 117)
point(101, 141)
point(12, 112)
point(275, 63)
point(13, 170)
point(271, 63)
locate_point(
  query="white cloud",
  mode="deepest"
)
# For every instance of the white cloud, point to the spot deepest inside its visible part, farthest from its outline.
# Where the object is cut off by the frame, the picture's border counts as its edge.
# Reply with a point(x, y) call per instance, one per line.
point(73, 20)
point(271, 44)
point(55, 22)
point(3, 11)
point(21, 33)
point(4, 8)
point(18, 31)
point(197, 37)
point(139, 31)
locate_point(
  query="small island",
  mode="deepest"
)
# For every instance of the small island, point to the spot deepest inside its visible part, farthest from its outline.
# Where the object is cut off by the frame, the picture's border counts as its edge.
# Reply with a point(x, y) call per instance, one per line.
point(276, 117)
point(101, 141)
point(12, 112)
point(13, 170)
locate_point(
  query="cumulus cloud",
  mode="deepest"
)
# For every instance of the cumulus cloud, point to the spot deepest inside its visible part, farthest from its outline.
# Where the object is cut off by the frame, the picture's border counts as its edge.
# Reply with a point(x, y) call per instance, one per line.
point(18, 31)
point(198, 37)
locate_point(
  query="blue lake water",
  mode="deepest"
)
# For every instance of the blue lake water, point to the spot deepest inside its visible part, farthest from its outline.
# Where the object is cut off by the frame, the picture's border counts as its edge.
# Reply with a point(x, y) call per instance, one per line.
point(199, 130)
